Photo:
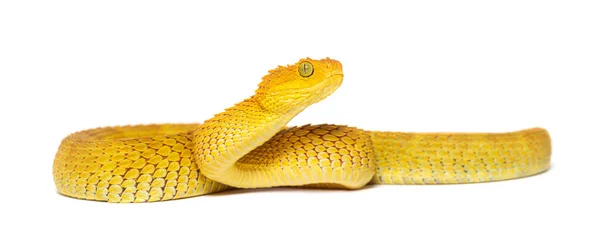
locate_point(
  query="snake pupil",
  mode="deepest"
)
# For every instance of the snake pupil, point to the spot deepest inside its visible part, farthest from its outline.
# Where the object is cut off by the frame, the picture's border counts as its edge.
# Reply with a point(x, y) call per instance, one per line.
point(305, 69)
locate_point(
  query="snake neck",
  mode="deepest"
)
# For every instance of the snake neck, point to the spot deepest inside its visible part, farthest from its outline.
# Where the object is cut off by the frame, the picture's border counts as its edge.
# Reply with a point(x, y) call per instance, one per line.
point(227, 137)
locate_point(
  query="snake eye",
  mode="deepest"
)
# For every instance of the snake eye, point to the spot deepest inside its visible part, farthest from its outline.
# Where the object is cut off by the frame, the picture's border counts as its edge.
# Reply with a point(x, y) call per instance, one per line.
point(305, 69)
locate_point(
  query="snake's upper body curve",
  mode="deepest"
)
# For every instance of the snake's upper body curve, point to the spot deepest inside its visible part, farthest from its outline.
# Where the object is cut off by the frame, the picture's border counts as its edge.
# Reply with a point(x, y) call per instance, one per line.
point(250, 146)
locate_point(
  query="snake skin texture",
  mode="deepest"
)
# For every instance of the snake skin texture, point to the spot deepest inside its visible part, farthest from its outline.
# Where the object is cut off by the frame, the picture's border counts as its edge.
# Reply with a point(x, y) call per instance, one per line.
point(250, 146)
point(413, 158)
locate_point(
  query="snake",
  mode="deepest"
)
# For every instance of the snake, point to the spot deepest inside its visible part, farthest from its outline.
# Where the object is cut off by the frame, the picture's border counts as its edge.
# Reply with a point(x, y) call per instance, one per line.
point(250, 146)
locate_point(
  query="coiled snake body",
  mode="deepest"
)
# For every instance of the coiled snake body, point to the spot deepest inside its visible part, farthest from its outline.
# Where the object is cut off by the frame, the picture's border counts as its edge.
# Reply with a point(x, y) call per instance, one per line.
point(249, 146)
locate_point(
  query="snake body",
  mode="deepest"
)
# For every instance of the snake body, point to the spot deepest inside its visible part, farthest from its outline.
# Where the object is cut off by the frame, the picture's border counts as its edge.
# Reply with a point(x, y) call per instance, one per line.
point(250, 146)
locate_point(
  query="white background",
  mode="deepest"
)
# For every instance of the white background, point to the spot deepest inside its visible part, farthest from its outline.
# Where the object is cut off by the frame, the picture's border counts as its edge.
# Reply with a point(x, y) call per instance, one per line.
point(410, 66)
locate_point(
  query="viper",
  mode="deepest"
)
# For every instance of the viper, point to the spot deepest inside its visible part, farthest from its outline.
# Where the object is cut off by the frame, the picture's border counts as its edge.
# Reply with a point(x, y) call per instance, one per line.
point(250, 146)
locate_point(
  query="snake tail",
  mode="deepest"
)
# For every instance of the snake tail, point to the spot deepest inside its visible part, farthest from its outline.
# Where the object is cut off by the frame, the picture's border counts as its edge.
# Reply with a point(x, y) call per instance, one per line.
point(455, 158)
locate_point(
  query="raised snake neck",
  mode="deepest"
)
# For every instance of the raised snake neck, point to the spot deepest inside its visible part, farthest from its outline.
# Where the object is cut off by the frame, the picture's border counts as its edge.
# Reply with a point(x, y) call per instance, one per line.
point(249, 146)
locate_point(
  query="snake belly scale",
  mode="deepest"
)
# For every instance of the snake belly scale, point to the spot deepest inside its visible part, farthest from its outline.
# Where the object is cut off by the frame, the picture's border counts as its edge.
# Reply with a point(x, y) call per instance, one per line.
point(250, 146)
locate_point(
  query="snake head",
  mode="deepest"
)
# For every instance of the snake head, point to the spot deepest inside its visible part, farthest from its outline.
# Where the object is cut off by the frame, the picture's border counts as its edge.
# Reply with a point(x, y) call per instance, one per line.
point(299, 85)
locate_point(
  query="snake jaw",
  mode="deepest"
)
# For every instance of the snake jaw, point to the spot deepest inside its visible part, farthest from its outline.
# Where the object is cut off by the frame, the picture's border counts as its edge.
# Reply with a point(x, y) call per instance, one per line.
point(335, 81)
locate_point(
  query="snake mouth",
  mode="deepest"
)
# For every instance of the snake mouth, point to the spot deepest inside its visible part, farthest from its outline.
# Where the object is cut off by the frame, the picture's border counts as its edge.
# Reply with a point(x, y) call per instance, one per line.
point(329, 85)
point(338, 76)
point(334, 81)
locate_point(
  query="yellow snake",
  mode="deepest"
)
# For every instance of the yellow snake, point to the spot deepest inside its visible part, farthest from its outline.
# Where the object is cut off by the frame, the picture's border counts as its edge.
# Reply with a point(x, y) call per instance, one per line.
point(249, 146)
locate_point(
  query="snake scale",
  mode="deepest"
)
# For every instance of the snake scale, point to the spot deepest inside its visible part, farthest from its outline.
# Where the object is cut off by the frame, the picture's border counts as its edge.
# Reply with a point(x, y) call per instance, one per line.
point(250, 146)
